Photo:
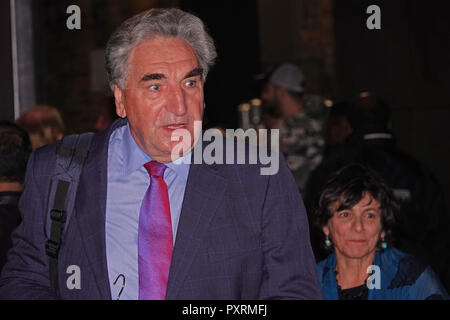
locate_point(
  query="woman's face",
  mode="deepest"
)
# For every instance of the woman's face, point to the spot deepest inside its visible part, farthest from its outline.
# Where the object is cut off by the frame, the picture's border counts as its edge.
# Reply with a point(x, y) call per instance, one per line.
point(355, 231)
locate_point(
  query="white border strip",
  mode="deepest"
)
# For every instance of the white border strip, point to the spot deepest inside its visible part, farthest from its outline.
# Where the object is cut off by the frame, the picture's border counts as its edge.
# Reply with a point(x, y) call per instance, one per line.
point(15, 61)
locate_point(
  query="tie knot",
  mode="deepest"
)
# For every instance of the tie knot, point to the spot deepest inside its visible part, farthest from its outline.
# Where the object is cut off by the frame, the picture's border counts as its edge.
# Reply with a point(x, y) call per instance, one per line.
point(155, 168)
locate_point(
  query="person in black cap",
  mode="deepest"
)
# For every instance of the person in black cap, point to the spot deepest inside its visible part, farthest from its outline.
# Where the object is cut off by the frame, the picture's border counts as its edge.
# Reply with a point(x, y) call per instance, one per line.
point(301, 135)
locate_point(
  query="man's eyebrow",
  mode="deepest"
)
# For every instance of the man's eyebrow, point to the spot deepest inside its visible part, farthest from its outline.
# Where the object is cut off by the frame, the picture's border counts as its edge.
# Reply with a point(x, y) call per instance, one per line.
point(153, 76)
point(194, 73)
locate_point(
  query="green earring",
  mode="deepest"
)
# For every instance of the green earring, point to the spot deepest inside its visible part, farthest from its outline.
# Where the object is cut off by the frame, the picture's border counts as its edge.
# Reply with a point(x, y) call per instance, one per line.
point(327, 242)
point(384, 244)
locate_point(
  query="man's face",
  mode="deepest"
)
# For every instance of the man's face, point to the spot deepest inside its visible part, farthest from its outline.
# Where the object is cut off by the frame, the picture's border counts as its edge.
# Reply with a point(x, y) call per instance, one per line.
point(271, 105)
point(268, 95)
point(164, 93)
point(337, 130)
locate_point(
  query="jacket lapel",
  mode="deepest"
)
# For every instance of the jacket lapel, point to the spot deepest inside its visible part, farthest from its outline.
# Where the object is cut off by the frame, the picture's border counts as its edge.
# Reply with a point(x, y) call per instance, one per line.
point(90, 208)
point(204, 191)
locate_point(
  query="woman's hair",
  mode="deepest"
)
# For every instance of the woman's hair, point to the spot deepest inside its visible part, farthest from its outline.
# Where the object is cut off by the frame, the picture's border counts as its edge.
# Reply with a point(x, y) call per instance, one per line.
point(152, 24)
point(348, 186)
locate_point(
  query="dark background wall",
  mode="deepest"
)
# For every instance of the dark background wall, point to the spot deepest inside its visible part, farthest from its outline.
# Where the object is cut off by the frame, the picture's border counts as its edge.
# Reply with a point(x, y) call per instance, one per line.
point(234, 27)
point(6, 84)
point(406, 63)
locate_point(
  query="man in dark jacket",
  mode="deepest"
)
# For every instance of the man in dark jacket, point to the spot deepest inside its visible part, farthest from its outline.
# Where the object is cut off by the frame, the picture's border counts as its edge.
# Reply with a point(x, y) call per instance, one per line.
point(423, 222)
point(174, 229)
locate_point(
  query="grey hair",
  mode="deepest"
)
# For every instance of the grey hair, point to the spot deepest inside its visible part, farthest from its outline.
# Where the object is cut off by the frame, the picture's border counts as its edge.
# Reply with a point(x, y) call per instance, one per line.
point(149, 25)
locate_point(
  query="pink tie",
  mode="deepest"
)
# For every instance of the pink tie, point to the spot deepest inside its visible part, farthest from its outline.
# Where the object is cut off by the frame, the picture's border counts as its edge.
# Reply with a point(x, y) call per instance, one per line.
point(155, 241)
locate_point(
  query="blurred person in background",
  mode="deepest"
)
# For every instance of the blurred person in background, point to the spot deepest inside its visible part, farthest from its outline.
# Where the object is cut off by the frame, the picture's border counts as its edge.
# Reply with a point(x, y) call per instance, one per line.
point(423, 220)
point(44, 125)
point(301, 138)
point(15, 149)
point(356, 213)
point(337, 127)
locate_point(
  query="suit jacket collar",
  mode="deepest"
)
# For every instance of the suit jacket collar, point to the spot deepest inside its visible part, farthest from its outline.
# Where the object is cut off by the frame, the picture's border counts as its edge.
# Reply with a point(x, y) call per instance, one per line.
point(204, 190)
point(90, 207)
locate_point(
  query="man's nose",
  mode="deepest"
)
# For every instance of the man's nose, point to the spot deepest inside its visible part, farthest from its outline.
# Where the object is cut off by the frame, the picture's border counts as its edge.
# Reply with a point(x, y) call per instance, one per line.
point(176, 102)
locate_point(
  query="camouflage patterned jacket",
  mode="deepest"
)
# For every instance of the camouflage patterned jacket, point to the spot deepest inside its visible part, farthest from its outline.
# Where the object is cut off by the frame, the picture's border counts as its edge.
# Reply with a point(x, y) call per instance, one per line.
point(302, 144)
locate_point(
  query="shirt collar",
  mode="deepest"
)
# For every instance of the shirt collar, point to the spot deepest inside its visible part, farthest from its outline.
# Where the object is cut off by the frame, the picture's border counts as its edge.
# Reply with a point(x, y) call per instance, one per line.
point(135, 158)
point(181, 166)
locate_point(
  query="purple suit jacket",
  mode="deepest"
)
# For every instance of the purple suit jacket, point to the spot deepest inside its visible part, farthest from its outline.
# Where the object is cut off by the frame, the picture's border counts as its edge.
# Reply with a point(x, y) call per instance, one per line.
point(241, 235)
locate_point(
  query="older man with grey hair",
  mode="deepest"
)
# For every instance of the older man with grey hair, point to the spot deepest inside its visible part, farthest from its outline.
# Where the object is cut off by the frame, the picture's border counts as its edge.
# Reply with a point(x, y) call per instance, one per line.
point(146, 223)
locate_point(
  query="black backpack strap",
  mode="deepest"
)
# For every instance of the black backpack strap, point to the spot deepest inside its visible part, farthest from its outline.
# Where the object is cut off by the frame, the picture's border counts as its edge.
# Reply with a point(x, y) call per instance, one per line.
point(70, 158)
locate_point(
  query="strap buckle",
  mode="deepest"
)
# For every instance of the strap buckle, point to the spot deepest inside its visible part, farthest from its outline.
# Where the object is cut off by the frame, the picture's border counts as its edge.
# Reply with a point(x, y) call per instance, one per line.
point(58, 215)
point(52, 248)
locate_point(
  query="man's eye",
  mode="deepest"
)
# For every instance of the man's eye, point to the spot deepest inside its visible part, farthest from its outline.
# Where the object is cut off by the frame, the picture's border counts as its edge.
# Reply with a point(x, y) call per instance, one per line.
point(191, 83)
point(154, 87)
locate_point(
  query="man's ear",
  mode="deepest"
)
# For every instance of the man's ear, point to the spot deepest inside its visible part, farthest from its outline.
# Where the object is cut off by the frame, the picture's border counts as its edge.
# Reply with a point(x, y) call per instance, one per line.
point(120, 102)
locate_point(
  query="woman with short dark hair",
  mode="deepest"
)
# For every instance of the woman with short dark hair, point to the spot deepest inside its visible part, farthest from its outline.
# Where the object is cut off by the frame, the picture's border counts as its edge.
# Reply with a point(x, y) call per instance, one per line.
point(356, 212)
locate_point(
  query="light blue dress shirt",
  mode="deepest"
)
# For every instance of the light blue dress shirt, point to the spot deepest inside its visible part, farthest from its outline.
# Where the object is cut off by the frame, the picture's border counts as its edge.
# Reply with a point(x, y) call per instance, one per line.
point(128, 181)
